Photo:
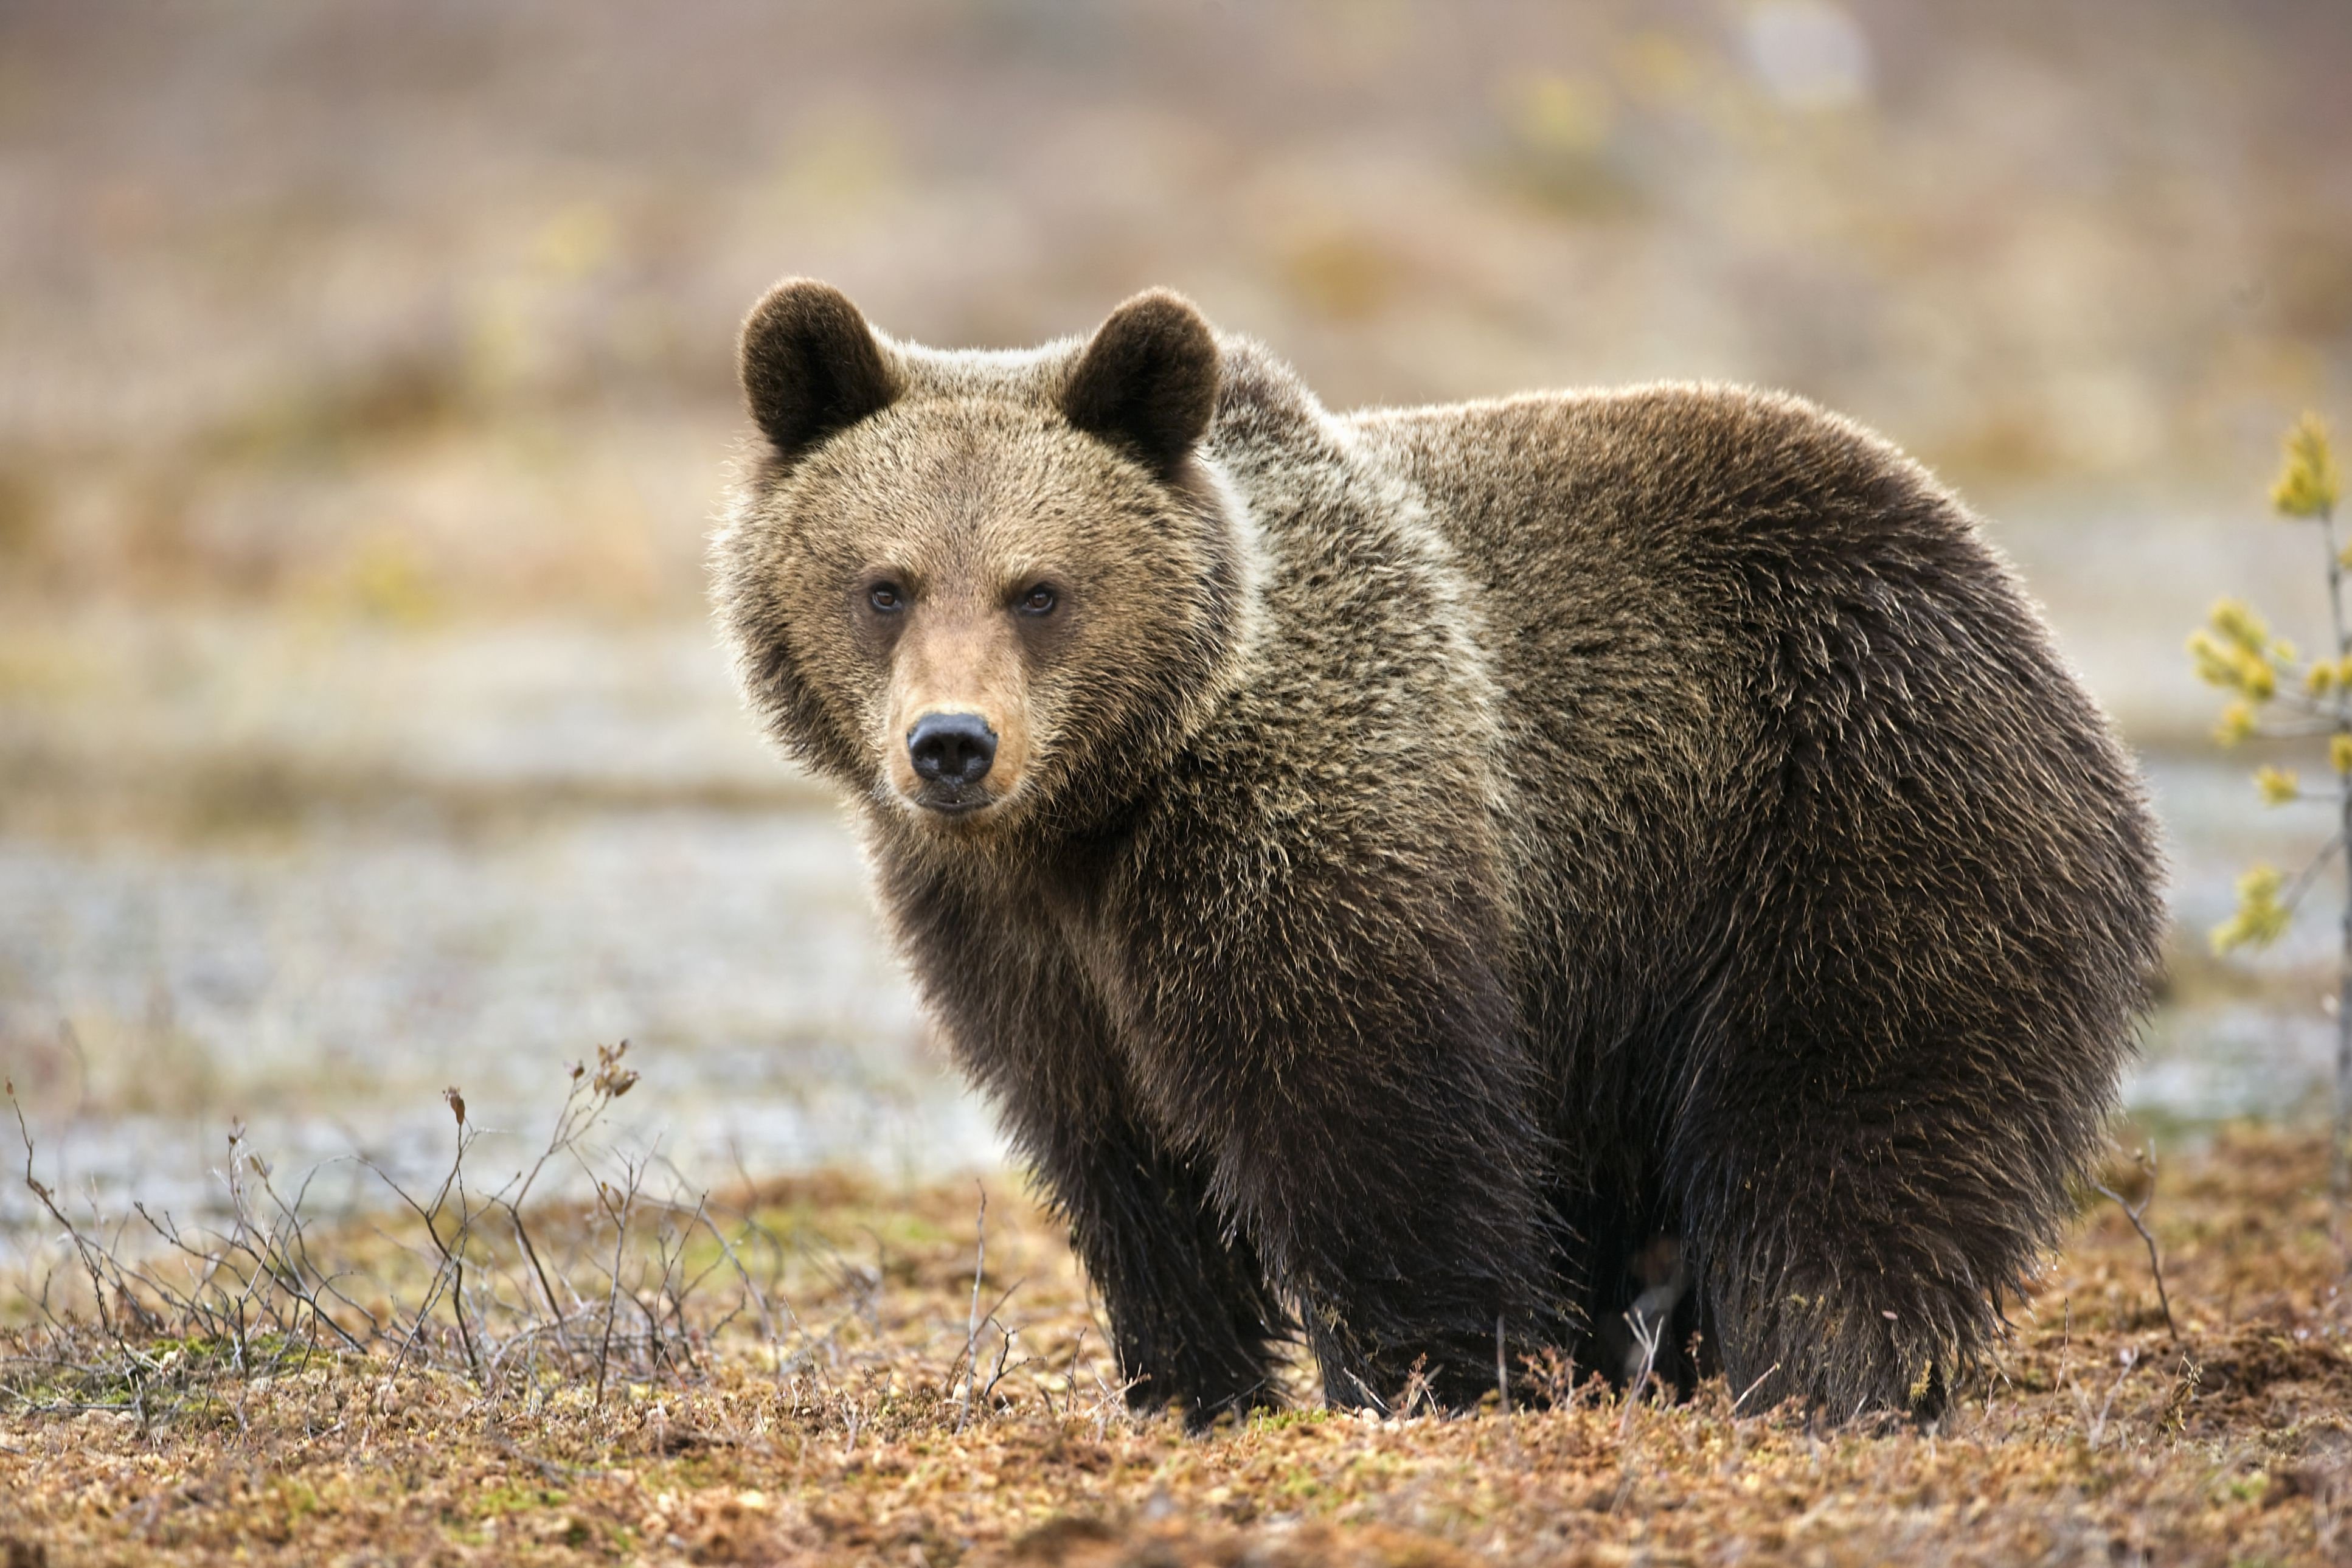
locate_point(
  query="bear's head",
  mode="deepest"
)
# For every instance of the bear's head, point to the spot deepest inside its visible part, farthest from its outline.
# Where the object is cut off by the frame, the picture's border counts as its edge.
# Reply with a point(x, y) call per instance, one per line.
point(982, 588)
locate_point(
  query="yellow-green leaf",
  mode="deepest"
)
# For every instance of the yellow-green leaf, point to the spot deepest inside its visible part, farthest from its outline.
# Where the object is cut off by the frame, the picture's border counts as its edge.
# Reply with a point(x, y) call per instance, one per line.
point(2309, 485)
point(2238, 663)
point(2261, 917)
point(2239, 626)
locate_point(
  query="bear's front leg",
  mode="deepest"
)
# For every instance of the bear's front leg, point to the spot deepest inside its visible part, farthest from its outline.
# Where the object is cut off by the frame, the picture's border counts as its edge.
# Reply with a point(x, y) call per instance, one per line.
point(1361, 1093)
point(1405, 1232)
point(1192, 1320)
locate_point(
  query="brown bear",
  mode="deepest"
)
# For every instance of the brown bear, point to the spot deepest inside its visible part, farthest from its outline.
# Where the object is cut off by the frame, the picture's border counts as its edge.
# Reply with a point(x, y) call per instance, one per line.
point(1589, 869)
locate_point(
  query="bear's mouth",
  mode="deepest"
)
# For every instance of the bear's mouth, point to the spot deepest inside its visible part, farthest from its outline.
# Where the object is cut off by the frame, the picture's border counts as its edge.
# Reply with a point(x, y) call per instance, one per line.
point(953, 801)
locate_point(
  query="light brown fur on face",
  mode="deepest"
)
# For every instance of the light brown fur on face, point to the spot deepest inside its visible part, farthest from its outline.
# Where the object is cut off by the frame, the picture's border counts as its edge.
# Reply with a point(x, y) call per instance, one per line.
point(979, 618)
point(960, 653)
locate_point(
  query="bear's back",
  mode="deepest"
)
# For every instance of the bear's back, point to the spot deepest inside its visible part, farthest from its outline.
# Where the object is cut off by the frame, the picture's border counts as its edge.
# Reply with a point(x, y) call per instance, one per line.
point(1676, 501)
point(1692, 575)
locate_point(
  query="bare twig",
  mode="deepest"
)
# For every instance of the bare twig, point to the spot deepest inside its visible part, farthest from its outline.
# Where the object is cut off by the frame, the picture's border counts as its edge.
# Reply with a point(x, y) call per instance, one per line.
point(1502, 1369)
point(972, 1331)
point(2303, 879)
point(1647, 1331)
point(1761, 1379)
point(2094, 1427)
point(2340, 1144)
point(2134, 1212)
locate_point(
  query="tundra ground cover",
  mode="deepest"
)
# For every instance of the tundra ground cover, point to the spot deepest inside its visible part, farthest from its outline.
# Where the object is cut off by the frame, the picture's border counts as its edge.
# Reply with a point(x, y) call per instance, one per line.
point(813, 1370)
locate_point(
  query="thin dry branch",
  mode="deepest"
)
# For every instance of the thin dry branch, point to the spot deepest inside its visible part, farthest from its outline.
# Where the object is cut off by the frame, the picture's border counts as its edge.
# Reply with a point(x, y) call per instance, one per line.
point(2134, 1212)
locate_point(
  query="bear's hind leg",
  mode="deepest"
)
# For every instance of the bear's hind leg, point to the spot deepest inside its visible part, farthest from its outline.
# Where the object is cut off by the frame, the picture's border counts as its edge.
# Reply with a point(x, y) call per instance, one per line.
point(1911, 1048)
point(1856, 1257)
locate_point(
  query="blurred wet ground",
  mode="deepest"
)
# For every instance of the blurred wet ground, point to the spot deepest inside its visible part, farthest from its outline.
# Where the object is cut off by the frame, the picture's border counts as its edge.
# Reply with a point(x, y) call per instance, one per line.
point(305, 878)
point(365, 394)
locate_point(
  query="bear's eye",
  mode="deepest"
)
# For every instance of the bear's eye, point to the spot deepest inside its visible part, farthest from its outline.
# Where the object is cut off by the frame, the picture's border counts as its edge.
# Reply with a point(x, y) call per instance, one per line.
point(886, 597)
point(1037, 601)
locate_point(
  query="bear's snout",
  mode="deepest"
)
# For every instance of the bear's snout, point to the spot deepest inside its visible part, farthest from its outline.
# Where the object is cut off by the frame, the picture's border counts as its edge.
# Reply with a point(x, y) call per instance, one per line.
point(952, 749)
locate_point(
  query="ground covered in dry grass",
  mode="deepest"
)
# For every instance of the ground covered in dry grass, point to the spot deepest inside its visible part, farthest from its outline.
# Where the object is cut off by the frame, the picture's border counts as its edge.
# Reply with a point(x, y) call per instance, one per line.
point(788, 1378)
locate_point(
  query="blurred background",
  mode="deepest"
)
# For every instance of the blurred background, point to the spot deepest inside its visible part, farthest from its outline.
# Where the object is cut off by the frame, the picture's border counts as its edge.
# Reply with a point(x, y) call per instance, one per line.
point(365, 399)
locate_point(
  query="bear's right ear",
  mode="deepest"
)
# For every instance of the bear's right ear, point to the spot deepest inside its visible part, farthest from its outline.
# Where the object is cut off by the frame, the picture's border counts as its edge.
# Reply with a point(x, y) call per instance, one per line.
point(810, 365)
point(1147, 380)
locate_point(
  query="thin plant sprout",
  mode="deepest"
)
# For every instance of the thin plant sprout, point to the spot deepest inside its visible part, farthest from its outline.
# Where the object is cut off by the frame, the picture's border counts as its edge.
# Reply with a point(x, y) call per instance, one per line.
point(2277, 693)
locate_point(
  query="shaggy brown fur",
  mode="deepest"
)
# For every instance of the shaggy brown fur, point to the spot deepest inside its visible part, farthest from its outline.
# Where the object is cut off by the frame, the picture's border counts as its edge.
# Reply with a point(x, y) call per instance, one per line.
point(1589, 869)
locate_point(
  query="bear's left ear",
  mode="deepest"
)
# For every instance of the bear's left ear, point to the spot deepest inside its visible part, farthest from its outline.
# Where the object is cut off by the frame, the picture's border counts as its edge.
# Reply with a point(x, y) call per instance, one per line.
point(1148, 381)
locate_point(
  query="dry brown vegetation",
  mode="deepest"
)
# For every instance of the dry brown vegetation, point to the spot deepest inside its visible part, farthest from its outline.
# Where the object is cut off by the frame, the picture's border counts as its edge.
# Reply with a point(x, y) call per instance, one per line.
point(788, 1372)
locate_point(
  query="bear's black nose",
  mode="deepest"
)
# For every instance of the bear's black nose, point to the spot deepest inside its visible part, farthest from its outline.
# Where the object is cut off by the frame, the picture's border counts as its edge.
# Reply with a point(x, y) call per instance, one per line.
point(951, 748)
